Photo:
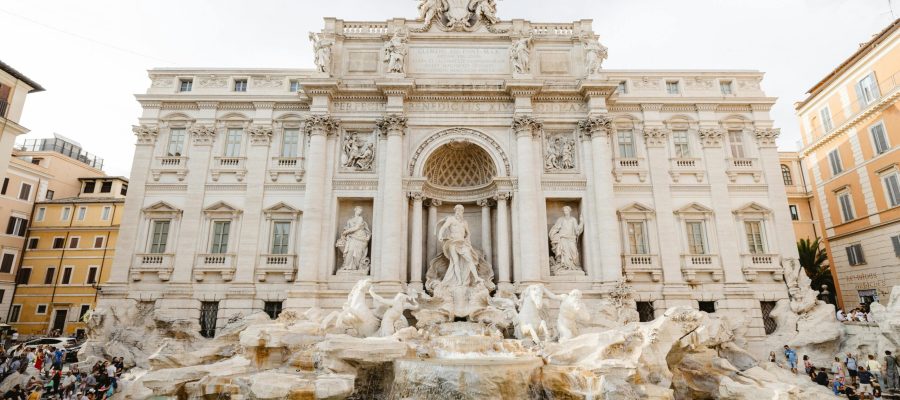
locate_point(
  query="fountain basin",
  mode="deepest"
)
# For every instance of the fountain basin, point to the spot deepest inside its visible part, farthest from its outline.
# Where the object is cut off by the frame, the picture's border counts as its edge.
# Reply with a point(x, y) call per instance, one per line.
point(471, 377)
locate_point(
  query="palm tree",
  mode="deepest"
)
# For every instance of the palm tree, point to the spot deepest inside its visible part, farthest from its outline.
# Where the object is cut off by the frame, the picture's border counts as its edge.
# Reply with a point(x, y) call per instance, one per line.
point(814, 261)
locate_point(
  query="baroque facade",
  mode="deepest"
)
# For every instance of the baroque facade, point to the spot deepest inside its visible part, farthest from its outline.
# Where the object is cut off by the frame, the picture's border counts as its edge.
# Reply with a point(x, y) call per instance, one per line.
point(266, 189)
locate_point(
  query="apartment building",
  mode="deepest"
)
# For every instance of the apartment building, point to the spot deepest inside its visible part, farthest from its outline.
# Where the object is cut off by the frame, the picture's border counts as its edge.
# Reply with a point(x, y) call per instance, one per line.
point(801, 206)
point(14, 87)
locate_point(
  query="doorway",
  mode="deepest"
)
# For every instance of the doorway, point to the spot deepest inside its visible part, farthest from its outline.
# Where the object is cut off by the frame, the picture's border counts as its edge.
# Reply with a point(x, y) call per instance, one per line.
point(59, 321)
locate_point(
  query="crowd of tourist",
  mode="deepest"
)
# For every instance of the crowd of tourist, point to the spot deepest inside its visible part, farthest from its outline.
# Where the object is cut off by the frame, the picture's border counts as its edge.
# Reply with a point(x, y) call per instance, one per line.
point(863, 378)
point(50, 377)
point(855, 315)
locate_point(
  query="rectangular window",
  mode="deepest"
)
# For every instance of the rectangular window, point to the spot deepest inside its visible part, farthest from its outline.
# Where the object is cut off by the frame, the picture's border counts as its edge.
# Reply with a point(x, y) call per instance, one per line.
point(768, 322)
point(33, 243)
point(40, 309)
point(240, 85)
point(272, 308)
point(233, 142)
point(49, 195)
point(892, 188)
point(64, 214)
point(73, 242)
point(846, 206)
point(696, 234)
point(795, 215)
point(281, 233)
point(879, 138)
point(637, 238)
point(5, 186)
point(827, 125)
point(58, 242)
point(105, 214)
point(25, 192)
point(622, 88)
point(645, 310)
point(89, 186)
point(124, 190)
point(106, 187)
point(736, 143)
point(98, 242)
point(672, 87)
point(209, 313)
point(36, 161)
point(867, 90)
point(290, 143)
point(84, 310)
point(895, 241)
point(6, 265)
point(185, 85)
point(726, 87)
point(707, 306)
point(17, 226)
point(91, 276)
point(295, 86)
point(834, 159)
point(40, 214)
point(625, 138)
point(159, 236)
point(754, 237)
point(176, 142)
point(50, 275)
point(66, 276)
point(82, 212)
point(23, 276)
point(220, 237)
point(680, 141)
point(14, 313)
point(855, 254)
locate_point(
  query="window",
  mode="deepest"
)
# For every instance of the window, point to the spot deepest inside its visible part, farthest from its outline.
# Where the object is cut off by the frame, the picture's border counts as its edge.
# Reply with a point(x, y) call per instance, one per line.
point(220, 237)
point(5, 186)
point(14, 313)
point(846, 206)
point(89, 186)
point(295, 86)
point(240, 85)
point(834, 159)
point(6, 264)
point(64, 215)
point(66, 276)
point(106, 187)
point(40, 214)
point(672, 87)
point(84, 310)
point(637, 237)
point(36, 161)
point(233, 142)
point(33, 243)
point(795, 215)
point(768, 322)
point(726, 87)
point(707, 306)
point(73, 242)
point(50, 275)
point(867, 90)
point(49, 195)
point(625, 138)
point(754, 237)
point(23, 276)
point(281, 233)
point(25, 192)
point(40, 309)
point(273, 308)
point(58, 242)
point(879, 138)
point(786, 175)
point(91, 276)
point(696, 234)
point(185, 85)
point(736, 142)
point(892, 188)
point(159, 236)
point(124, 190)
point(176, 143)
point(645, 311)
point(622, 88)
point(17, 226)
point(209, 312)
point(290, 142)
point(82, 212)
point(895, 240)
point(98, 242)
point(104, 215)
point(827, 125)
point(855, 254)
point(680, 141)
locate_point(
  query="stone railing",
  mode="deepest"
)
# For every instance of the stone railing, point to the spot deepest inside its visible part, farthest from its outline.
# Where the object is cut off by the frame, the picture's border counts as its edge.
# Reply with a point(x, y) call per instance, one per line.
point(694, 264)
point(228, 165)
point(754, 264)
point(174, 161)
point(629, 166)
point(286, 165)
point(552, 29)
point(152, 263)
point(739, 166)
point(222, 264)
point(680, 166)
point(641, 264)
point(365, 28)
point(170, 165)
point(285, 264)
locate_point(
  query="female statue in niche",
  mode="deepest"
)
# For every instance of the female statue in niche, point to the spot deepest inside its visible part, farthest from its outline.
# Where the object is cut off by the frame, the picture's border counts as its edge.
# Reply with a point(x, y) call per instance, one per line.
point(354, 243)
point(564, 243)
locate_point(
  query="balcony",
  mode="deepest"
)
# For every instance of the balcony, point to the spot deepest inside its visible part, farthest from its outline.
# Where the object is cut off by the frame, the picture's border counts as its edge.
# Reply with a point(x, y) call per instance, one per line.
point(689, 166)
point(222, 264)
point(276, 264)
point(286, 165)
point(743, 166)
point(152, 263)
point(693, 265)
point(229, 165)
point(754, 264)
point(641, 264)
point(176, 165)
point(629, 166)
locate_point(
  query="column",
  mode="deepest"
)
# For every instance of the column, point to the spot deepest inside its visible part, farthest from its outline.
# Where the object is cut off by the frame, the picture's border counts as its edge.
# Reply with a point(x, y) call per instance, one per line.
point(485, 205)
point(251, 229)
point(394, 126)
point(431, 235)
point(318, 127)
point(503, 267)
point(727, 238)
point(771, 165)
point(667, 227)
point(415, 257)
point(600, 127)
point(530, 234)
point(199, 155)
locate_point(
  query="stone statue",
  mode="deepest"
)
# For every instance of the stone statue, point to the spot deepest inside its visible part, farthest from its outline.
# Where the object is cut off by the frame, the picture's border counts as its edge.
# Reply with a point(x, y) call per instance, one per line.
point(484, 10)
point(564, 243)
point(803, 297)
point(531, 321)
point(354, 244)
point(355, 317)
point(560, 154)
point(322, 50)
point(395, 53)
point(595, 54)
point(572, 311)
point(520, 54)
point(358, 153)
point(457, 247)
point(431, 9)
point(393, 319)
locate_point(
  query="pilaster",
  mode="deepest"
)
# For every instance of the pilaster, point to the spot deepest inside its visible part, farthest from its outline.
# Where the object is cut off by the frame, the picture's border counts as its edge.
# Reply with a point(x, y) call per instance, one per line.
point(529, 204)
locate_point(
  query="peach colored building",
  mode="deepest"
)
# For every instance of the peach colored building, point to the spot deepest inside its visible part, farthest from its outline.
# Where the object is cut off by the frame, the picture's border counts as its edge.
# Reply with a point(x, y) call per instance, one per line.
point(850, 126)
point(802, 208)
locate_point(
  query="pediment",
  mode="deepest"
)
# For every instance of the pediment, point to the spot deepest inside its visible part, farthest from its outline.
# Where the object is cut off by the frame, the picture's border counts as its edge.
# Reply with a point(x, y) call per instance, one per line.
point(636, 208)
point(695, 208)
point(281, 208)
point(161, 207)
point(222, 207)
point(753, 208)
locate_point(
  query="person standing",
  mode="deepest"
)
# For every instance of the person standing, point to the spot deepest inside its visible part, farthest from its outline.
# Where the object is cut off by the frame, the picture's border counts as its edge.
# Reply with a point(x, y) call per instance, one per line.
point(865, 380)
point(850, 362)
point(875, 368)
point(791, 356)
point(890, 371)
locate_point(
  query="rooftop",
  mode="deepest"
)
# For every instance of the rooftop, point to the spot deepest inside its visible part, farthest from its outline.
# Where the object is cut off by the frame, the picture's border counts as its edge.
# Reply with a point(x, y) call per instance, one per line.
point(61, 145)
point(35, 87)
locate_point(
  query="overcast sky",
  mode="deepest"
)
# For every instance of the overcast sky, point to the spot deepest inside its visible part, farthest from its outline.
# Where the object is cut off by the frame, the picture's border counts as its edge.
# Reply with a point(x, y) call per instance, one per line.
point(92, 56)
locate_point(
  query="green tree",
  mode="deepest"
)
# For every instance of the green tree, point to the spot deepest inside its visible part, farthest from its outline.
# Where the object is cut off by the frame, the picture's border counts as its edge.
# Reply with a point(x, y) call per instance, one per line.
point(814, 261)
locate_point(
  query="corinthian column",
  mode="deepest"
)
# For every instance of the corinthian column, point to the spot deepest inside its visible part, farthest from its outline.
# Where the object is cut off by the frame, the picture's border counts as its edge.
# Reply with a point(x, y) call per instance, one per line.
point(599, 127)
point(318, 127)
point(531, 233)
point(485, 205)
point(502, 247)
point(415, 257)
point(394, 126)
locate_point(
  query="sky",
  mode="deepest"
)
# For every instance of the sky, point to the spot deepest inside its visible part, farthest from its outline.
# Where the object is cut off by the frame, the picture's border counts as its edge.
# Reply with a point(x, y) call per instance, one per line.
point(92, 55)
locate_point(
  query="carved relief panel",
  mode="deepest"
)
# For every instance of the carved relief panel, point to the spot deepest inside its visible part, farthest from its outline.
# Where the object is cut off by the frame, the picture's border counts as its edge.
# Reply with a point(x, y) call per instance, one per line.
point(560, 152)
point(358, 151)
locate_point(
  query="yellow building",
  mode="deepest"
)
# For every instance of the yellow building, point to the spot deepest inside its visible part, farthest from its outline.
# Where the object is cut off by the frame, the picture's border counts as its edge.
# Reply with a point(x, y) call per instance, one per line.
point(800, 196)
point(850, 126)
point(69, 252)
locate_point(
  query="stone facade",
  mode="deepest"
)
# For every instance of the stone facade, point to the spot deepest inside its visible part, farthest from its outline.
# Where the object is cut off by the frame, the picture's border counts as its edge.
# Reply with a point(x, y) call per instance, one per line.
point(258, 172)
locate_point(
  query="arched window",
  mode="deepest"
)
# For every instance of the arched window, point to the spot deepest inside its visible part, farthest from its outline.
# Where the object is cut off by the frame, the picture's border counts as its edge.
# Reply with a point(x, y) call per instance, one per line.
point(786, 175)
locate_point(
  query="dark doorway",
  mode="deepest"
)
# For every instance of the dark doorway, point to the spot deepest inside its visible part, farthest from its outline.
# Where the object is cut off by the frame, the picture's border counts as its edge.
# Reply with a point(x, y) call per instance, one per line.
point(59, 320)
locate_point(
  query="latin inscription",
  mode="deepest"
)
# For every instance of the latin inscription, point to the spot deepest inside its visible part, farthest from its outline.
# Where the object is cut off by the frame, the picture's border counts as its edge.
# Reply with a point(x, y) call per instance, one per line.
point(459, 60)
point(461, 107)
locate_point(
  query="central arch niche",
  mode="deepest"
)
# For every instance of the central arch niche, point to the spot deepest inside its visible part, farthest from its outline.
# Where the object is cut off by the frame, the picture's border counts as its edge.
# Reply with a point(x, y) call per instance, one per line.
point(459, 164)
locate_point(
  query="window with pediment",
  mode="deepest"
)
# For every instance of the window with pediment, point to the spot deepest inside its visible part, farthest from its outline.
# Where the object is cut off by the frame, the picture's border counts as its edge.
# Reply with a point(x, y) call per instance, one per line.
point(636, 220)
point(160, 227)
